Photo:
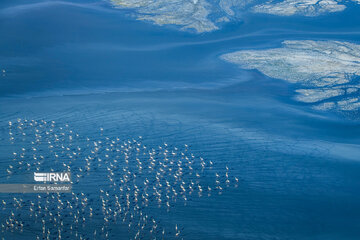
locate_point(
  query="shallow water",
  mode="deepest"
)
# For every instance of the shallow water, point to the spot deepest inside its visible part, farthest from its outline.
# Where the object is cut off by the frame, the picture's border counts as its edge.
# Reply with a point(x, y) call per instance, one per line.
point(92, 67)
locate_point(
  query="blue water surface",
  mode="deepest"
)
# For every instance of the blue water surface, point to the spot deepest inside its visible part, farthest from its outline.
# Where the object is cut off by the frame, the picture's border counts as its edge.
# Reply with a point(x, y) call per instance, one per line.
point(88, 65)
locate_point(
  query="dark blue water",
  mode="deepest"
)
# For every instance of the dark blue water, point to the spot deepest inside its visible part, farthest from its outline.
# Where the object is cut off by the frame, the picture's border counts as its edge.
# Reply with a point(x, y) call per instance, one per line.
point(88, 65)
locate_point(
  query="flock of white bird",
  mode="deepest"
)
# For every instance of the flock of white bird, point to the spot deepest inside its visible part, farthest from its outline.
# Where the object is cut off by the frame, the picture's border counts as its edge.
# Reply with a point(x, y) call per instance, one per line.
point(116, 183)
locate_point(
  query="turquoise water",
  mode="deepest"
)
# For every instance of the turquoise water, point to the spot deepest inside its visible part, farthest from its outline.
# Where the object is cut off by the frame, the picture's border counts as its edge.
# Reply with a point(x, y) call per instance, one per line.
point(90, 66)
